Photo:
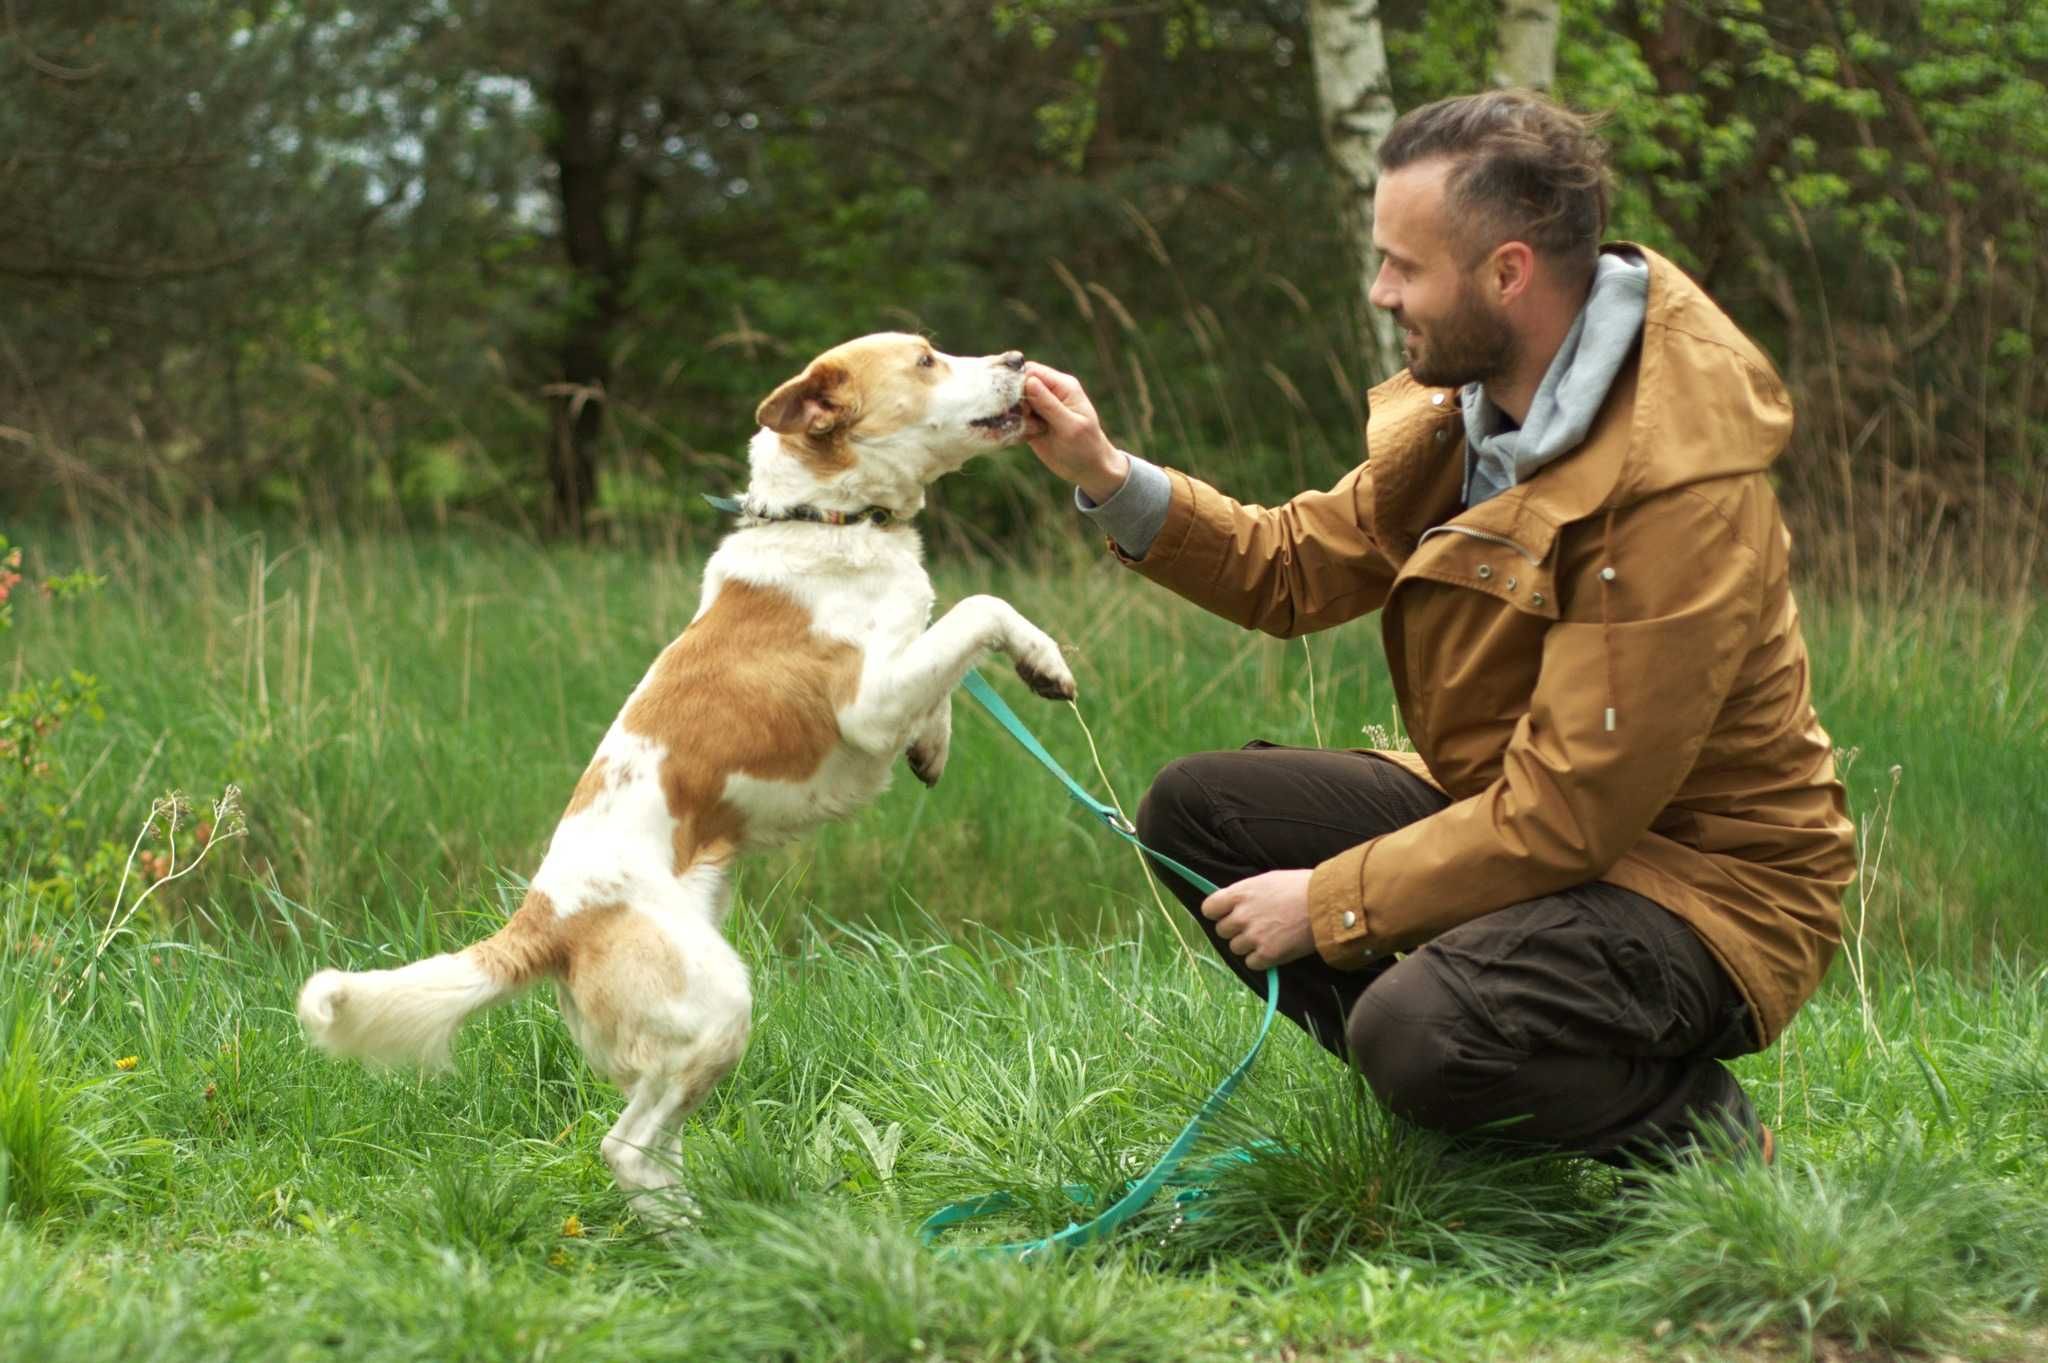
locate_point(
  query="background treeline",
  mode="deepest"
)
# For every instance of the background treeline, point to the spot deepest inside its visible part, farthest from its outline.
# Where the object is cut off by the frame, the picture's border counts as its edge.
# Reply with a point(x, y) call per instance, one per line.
point(536, 262)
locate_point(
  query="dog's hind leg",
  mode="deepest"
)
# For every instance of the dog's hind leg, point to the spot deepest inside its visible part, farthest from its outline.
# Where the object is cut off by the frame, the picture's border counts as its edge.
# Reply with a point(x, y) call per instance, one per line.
point(643, 1147)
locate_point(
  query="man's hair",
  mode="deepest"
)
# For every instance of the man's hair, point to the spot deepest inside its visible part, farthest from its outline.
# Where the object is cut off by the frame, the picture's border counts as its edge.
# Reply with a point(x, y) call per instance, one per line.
point(1523, 168)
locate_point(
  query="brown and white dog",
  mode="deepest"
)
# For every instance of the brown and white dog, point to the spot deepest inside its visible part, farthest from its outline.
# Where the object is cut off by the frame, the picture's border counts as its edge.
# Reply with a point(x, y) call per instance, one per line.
point(806, 673)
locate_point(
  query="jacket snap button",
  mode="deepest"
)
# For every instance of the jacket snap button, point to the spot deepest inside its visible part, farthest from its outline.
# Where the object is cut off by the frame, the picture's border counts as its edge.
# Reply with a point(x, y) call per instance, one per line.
point(1350, 919)
point(1436, 399)
point(1607, 574)
point(1485, 571)
point(1439, 435)
point(1537, 598)
point(1511, 584)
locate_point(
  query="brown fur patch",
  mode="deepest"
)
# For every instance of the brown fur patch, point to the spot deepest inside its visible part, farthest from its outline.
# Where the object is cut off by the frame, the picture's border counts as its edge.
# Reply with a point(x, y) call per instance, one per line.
point(872, 386)
point(588, 788)
point(528, 945)
point(607, 956)
point(617, 961)
point(748, 688)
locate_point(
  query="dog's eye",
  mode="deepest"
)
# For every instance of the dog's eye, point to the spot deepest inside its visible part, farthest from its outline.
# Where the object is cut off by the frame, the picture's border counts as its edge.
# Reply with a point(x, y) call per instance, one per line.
point(926, 361)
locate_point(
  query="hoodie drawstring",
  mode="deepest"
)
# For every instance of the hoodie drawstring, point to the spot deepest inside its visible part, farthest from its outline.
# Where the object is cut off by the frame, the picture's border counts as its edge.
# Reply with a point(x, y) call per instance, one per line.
point(1606, 620)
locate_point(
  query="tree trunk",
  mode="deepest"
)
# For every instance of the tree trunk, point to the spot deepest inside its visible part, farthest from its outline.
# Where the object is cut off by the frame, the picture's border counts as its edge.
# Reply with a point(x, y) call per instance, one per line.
point(1357, 107)
point(1527, 55)
point(583, 156)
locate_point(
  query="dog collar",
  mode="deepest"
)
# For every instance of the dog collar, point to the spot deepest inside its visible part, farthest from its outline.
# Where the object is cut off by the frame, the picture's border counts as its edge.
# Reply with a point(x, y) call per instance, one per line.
point(867, 515)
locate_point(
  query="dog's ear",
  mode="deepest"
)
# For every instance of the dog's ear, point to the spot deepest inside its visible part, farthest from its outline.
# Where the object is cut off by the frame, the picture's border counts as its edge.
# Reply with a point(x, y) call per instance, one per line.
point(812, 403)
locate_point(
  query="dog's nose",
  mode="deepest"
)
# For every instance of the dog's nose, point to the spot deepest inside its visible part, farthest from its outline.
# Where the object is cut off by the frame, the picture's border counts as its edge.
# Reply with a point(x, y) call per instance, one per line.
point(1013, 359)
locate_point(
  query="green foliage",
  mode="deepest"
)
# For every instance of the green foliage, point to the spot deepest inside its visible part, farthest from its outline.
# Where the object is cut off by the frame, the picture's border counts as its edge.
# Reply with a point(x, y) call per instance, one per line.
point(1905, 1241)
point(40, 835)
point(45, 1159)
point(329, 264)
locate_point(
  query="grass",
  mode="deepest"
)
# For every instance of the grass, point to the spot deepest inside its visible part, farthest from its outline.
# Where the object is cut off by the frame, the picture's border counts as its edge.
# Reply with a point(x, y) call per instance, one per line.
point(962, 990)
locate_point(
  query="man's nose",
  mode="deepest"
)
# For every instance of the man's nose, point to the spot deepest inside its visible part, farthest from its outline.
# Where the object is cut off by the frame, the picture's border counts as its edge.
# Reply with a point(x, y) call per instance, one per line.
point(1013, 359)
point(1382, 295)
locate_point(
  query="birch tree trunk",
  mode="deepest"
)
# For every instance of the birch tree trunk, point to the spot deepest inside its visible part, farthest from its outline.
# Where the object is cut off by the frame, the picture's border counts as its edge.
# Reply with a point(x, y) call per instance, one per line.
point(1357, 107)
point(1527, 55)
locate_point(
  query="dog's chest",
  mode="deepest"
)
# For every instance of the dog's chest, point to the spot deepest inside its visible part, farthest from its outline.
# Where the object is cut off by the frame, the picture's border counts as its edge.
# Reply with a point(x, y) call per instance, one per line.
point(739, 722)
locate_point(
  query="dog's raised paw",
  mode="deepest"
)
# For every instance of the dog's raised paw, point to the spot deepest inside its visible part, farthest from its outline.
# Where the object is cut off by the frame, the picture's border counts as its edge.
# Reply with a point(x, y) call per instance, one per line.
point(1052, 685)
point(925, 764)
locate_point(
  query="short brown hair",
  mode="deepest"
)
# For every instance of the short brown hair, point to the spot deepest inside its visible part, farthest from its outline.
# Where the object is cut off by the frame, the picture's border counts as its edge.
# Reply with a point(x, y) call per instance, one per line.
point(1524, 168)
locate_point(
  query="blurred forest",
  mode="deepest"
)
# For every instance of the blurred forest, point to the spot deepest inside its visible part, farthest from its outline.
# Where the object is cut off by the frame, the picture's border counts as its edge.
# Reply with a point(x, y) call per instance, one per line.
point(535, 262)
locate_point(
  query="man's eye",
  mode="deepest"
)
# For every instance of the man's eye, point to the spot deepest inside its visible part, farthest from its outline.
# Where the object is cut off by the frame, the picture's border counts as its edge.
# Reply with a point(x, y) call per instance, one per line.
point(925, 361)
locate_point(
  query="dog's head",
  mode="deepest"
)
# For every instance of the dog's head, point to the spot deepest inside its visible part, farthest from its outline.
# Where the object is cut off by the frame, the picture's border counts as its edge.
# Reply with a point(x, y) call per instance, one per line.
point(891, 411)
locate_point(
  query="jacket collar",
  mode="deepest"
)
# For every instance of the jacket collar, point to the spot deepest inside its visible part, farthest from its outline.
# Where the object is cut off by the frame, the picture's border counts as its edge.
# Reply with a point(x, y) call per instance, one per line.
point(1416, 440)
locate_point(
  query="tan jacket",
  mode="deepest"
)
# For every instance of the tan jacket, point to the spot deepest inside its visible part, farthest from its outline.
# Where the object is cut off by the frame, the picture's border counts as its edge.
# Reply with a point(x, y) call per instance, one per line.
point(1602, 667)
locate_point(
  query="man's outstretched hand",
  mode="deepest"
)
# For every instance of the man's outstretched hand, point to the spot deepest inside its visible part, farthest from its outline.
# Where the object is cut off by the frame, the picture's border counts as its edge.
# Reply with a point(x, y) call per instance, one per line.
point(1062, 429)
point(1264, 918)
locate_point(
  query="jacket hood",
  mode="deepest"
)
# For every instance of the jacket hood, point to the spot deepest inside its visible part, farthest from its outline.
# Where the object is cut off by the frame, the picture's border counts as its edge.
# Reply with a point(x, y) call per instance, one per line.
point(1710, 403)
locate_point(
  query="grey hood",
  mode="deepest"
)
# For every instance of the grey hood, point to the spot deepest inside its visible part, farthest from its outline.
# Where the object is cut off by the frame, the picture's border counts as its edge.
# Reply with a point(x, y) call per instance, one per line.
point(1498, 454)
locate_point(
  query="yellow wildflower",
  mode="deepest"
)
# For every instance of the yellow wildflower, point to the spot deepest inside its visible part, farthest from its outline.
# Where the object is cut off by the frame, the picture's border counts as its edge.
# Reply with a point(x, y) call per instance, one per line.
point(573, 1227)
point(127, 1062)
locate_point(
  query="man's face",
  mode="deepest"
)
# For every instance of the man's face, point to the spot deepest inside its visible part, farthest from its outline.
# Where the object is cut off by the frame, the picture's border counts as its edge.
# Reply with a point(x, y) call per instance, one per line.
point(1451, 334)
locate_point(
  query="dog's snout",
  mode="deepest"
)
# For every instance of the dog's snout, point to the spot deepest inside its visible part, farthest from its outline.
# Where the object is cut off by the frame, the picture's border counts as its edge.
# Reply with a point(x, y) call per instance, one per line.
point(1013, 359)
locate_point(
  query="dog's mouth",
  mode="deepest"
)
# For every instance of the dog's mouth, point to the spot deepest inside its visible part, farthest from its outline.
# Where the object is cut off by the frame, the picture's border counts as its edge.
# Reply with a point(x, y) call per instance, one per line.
point(1010, 419)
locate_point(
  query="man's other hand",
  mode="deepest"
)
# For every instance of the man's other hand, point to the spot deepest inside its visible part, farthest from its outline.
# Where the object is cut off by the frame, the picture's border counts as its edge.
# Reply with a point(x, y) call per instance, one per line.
point(1264, 918)
point(1062, 429)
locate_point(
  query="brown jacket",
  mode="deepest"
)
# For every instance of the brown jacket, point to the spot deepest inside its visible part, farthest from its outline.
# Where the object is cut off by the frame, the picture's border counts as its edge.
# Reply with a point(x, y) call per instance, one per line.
point(1602, 666)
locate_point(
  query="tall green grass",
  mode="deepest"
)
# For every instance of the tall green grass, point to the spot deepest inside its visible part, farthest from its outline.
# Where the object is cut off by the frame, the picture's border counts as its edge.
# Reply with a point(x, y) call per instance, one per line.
point(235, 1195)
point(410, 714)
point(962, 989)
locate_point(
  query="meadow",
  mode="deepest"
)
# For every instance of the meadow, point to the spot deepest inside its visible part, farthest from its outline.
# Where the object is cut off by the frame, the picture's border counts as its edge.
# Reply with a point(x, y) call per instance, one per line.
point(964, 989)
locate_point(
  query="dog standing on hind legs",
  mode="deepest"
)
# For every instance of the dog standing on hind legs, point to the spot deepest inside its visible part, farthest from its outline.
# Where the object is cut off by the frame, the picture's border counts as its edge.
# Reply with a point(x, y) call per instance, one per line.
point(810, 667)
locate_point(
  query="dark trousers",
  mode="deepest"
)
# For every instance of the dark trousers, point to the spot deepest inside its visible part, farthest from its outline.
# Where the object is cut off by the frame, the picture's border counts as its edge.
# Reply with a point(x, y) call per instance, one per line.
point(1591, 1021)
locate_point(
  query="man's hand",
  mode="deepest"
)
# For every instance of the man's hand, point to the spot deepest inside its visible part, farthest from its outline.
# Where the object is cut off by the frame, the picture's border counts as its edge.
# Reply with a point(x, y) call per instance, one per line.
point(1264, 918)
point(1062, 429)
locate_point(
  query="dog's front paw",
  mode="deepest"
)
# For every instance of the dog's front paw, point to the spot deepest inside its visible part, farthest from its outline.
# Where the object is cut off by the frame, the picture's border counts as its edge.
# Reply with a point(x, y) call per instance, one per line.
point(1045, 671)
point(927, 761)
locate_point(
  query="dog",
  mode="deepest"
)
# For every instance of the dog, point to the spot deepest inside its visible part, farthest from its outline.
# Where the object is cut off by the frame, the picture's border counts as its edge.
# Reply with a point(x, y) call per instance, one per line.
point(810, 667)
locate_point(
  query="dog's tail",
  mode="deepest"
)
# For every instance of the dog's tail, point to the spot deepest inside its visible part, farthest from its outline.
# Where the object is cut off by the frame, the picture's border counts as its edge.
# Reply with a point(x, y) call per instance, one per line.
point(409, 1016)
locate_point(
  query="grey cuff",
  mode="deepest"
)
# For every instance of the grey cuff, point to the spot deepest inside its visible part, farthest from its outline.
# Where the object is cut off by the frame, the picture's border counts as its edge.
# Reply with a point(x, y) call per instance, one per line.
point(1136, 513)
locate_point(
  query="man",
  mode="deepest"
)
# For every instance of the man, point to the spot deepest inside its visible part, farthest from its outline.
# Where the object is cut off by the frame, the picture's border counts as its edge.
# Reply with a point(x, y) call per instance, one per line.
point(1616, 856)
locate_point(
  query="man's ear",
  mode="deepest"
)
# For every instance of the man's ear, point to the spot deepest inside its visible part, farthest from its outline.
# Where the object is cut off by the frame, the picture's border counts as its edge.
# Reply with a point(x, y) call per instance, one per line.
point(812, 403)
point(1510, 270)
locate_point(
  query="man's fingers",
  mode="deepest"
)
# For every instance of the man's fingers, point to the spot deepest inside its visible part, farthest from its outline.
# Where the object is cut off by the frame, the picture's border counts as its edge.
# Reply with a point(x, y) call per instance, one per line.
point(1062, 385)
point(1047, 406)
point(1219, 903)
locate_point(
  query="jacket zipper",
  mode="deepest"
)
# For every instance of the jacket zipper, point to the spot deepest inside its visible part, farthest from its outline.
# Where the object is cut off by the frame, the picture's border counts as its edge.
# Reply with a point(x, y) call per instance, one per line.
point(1480, 535)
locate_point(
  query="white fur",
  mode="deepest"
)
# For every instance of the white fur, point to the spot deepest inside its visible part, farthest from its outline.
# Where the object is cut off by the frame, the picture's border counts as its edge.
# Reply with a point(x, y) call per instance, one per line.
point(859, 583)
point(617, 850)
point(406, 1016)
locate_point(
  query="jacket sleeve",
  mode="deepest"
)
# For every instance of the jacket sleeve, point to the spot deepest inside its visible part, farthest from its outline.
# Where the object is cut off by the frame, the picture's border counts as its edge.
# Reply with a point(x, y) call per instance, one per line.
point(1305, 565)
point(1574, 795)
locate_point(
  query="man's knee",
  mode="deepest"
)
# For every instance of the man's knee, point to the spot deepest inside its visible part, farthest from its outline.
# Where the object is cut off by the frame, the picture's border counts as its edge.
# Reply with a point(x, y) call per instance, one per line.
point(1410, 1037)
point(1178, 809)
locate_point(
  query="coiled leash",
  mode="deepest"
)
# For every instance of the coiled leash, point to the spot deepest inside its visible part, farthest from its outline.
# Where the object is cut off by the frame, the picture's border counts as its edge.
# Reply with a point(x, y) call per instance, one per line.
point(1170, 1171)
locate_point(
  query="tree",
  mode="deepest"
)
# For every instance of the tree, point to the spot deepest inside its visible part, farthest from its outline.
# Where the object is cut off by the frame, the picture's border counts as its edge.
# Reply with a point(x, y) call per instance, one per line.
point(1357, 103)
point(1527, 52)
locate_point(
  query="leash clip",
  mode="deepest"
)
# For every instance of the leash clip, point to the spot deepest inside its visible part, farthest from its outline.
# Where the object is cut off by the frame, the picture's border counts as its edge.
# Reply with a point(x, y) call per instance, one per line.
point(1118, 822)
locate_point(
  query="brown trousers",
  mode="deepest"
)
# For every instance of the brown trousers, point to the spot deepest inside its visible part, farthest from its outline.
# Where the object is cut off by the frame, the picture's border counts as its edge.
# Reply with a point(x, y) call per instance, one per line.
point(1591, 1021)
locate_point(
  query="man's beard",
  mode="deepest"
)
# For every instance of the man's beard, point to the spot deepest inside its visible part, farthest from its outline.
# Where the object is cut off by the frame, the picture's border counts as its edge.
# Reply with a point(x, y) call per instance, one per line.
point(1472, 345)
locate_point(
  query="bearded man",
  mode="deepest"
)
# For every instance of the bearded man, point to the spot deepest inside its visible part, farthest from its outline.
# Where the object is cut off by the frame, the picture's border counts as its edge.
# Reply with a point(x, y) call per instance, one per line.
point(1615, 858)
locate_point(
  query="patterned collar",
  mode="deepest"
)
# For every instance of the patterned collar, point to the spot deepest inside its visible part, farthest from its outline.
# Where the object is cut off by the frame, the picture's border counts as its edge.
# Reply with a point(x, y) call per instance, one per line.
point(867, 515)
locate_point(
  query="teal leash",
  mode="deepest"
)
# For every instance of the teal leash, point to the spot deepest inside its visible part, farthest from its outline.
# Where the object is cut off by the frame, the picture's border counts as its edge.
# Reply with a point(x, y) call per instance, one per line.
point(1172, 1170)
